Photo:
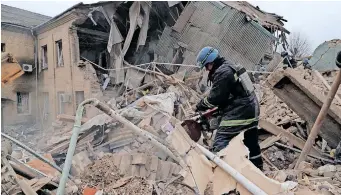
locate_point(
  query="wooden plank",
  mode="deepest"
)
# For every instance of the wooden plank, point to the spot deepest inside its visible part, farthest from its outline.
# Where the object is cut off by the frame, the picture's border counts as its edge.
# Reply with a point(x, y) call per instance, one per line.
point(270, 141)
point(271, 128)
point(27, 189)
point(183, 19)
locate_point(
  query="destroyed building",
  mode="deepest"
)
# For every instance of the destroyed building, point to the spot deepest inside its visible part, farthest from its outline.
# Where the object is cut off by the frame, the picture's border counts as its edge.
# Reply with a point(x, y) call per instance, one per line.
point(77, 50)
point(131, 139)
point(93, 33)
point(17, 39)
point(244, 33)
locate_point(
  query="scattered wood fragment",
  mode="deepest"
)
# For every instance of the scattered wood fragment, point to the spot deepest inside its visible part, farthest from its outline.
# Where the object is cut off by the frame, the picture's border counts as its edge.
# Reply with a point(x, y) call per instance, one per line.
point(271, 128)
point(270, 141)
point(299, 151)
point(269, 162)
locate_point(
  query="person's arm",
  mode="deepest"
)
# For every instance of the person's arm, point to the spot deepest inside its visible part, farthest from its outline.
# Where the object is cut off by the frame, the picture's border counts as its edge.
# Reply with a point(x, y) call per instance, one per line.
point(220, 92)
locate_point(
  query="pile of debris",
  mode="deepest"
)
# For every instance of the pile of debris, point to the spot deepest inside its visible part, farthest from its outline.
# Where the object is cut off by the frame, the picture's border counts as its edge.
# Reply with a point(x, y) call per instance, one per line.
point(110, 158)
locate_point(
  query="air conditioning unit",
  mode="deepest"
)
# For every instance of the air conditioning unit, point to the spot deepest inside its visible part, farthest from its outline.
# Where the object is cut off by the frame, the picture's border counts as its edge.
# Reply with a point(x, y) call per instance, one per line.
point(65, 98)
point(27, 67)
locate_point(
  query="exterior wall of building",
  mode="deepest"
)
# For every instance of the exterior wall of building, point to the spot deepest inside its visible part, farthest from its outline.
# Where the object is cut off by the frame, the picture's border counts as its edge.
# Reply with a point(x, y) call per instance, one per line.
point(20, 43)
point(55, 80)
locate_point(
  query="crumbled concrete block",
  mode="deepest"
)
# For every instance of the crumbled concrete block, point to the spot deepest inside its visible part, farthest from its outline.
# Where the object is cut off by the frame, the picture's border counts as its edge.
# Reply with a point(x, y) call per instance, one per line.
point(281, 176)
point(338, 168)
point(326, 168)
point(152, 176)
point(143, 171)
point(154, 163)
point(175, 169)
point(329, 174)
point(135, 170)
point(125, 164)
point(163, 170)
point(161, 154)
point(117, 160)
point(139, 159)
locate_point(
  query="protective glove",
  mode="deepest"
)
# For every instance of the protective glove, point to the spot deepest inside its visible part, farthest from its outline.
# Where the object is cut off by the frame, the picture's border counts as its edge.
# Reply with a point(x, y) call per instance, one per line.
point(201, 106)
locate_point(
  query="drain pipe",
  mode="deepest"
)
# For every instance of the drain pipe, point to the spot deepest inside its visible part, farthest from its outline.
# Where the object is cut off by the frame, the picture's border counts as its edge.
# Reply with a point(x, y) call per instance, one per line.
point(107, 110)
point(251, 187)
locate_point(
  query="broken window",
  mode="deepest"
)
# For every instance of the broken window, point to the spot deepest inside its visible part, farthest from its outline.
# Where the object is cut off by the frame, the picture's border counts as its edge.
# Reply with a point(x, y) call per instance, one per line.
point(46, 105)
point(59, 54)
point(3, 47)
point(23, 103)
point(80, 99)
point(61, 102)
point(43, 57)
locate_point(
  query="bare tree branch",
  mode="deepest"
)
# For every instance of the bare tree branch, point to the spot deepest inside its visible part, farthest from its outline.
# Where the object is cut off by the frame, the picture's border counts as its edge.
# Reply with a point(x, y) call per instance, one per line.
point(298, 45)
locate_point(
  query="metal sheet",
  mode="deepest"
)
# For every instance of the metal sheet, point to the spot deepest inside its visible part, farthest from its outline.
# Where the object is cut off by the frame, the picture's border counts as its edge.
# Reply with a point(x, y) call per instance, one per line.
point(324, 56)
point(225, 28)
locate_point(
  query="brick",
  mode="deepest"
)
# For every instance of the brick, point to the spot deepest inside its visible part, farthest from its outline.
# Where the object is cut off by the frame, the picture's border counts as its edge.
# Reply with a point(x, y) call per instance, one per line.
point(139, 159)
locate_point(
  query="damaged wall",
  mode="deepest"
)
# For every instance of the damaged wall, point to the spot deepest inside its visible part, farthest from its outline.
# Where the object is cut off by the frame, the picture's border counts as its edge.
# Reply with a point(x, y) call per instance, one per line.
point(68, 79)
point(227, 29)
point(19, 42)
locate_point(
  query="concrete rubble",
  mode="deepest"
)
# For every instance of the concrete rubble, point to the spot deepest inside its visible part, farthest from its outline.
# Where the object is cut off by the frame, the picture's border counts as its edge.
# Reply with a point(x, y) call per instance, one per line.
point(110, 158)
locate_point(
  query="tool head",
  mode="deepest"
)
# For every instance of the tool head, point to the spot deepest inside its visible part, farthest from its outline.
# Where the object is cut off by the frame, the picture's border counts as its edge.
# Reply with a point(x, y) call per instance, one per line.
point(193, 129)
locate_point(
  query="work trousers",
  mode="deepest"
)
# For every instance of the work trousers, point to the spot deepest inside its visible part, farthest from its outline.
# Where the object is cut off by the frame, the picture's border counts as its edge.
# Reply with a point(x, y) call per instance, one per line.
point(225, 134)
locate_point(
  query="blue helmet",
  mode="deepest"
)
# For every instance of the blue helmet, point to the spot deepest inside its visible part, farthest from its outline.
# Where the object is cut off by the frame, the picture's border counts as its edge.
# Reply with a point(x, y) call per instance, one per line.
point(206, 55)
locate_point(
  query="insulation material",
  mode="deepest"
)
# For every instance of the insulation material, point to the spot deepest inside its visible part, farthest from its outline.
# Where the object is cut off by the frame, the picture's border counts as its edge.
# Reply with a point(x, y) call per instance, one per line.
point(245, 167)
point(144, 29)
point(162, 102)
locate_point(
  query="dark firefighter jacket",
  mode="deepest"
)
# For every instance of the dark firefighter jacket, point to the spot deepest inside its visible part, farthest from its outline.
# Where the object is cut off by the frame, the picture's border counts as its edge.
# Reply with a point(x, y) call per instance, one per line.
point(239, 110)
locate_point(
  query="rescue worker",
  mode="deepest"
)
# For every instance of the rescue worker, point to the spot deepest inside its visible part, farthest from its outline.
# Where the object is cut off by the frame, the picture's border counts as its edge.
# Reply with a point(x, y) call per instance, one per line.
point(233, 93)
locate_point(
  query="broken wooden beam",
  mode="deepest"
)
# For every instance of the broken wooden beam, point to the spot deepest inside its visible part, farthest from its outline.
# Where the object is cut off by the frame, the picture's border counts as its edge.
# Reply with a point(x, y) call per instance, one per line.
point(273, 129)
point(306, 101)
point(69, 118)
point(320, 119)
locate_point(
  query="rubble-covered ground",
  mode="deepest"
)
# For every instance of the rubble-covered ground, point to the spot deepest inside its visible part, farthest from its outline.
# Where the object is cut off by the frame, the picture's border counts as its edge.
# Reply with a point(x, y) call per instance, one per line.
point(111, 159)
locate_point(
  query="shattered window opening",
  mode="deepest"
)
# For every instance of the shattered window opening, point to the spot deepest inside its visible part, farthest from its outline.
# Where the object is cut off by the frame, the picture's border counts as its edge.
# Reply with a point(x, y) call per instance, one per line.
point(59, 54)
point(44, 59)
point(3, 47)
point(23, 103)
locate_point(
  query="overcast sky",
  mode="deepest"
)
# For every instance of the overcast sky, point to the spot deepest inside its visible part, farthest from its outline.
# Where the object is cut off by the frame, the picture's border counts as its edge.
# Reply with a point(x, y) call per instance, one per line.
point(318, 21)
